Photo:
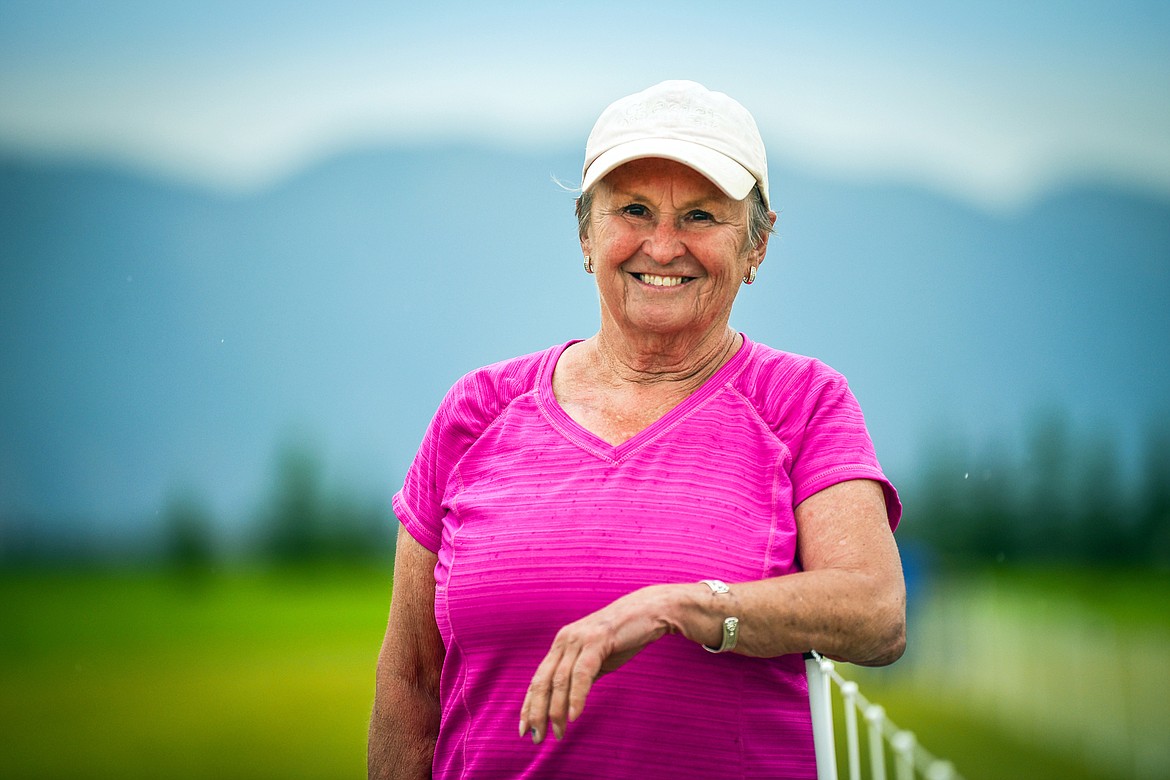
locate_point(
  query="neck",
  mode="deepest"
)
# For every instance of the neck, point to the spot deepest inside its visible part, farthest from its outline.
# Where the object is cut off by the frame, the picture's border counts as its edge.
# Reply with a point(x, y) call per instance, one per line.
point(689, 361)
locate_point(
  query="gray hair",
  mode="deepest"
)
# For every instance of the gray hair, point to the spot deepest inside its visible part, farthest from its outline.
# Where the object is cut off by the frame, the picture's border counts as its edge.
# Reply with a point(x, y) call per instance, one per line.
point(759, 220)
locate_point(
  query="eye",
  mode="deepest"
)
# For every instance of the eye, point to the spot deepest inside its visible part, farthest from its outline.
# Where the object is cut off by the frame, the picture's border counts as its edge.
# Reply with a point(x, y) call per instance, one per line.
point(700, 216)
point(635, 210)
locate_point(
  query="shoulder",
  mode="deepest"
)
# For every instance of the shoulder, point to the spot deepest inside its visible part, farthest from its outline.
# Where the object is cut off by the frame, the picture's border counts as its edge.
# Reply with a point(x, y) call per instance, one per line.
point(774, 380)
point(481, 395)
point(790, 392)
point(504, 380)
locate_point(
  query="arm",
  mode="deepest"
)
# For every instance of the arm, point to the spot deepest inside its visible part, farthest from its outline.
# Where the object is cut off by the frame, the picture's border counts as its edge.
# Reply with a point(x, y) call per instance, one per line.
point(849, 602)
point(405, 721)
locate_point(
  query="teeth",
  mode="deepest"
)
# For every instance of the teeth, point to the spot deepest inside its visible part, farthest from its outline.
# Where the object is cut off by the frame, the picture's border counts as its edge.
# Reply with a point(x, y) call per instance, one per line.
point(662, 281)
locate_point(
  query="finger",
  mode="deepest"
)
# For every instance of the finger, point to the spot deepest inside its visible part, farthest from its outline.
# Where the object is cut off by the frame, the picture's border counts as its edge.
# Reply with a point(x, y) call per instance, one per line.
point(587, 670)
point(562, 681)
point(534, 711)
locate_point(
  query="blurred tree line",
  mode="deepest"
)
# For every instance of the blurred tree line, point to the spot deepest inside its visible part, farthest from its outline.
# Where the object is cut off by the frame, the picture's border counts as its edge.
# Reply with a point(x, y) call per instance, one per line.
point(1065, 498)
point(301, 521)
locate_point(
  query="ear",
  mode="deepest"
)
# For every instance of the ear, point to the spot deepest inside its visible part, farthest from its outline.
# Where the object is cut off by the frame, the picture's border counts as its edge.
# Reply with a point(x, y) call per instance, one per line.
point(586, 244)
point(756, 255)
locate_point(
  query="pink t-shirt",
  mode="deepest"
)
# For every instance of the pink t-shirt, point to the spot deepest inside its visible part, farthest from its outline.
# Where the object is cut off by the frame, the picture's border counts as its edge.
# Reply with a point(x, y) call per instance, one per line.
point(537, 522)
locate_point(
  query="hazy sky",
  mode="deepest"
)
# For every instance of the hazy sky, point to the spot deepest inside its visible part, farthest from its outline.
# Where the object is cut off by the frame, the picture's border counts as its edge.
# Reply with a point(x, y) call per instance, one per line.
point(990, 101)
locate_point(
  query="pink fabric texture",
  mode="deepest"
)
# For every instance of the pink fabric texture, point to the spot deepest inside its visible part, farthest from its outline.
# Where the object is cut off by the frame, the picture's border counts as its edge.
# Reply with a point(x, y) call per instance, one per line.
point(537, 522)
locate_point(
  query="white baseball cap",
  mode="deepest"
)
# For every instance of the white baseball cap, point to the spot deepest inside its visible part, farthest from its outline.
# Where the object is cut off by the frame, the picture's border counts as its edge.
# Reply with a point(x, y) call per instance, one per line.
point(685, 122)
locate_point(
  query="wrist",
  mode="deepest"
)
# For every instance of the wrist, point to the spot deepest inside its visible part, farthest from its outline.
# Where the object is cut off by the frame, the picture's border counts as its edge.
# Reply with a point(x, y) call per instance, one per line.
point(725, 604)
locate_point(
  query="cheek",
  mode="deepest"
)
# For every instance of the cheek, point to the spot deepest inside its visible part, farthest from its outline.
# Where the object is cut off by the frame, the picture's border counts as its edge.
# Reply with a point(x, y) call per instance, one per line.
point(728, 257)
point(615, 248)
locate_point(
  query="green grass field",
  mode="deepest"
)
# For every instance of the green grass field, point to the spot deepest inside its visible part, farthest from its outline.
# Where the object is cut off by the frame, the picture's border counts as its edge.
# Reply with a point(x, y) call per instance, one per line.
point(270, 674)
point(134, 675)
point(1037, 673)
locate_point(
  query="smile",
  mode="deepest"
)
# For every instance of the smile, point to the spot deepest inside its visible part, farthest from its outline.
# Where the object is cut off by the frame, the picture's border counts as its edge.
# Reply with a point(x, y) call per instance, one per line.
point(662, 281)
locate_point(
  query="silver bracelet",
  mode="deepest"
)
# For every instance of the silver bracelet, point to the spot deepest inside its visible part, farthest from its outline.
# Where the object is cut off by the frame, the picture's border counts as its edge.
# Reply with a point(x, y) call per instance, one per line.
point(730, 624)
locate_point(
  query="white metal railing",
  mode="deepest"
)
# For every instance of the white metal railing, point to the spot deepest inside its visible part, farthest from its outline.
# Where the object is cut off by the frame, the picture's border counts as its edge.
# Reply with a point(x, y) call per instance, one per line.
point(909, 758)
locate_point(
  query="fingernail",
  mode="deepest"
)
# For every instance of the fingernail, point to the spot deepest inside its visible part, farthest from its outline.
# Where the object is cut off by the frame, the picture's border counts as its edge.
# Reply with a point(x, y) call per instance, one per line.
point(536, 737)
point(558, 731)
point(523, 729)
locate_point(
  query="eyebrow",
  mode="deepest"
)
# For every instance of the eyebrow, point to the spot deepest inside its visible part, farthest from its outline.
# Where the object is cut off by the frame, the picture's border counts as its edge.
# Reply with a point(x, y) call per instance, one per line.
point(623, 192)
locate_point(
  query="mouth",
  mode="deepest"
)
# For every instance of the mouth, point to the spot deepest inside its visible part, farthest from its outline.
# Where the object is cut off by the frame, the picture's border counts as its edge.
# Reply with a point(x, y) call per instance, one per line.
point(662, 281)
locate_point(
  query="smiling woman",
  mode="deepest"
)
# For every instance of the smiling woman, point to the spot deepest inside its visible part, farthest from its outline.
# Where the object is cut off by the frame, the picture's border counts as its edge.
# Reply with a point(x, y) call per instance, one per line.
point(668, 249)
point(665, 501)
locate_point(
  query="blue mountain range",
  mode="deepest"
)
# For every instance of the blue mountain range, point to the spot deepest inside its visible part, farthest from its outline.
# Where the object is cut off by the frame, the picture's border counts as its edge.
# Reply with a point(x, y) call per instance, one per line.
point(155, 336)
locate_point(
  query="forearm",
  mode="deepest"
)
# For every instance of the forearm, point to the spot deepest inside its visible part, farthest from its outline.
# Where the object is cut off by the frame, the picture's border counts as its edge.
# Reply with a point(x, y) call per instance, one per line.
point(848, 603)
point(403, 729)
point(855, 616)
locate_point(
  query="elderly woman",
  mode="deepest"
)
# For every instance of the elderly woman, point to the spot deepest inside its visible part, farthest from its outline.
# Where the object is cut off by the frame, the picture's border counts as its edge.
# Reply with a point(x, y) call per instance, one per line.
point(626, 543)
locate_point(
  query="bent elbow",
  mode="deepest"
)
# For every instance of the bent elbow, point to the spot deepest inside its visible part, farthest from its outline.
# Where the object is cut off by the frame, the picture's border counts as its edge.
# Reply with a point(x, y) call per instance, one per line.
point(894, 648)
point(889, 638)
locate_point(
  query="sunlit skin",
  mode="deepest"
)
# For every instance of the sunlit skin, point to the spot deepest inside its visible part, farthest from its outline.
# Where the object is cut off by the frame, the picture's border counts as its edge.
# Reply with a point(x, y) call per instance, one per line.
point(669, 250)
point(658, 218)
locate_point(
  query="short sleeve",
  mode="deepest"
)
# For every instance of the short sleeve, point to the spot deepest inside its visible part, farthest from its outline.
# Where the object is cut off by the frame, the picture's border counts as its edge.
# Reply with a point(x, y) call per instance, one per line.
point(469, 407)
point(418, 504)
point(833, 445)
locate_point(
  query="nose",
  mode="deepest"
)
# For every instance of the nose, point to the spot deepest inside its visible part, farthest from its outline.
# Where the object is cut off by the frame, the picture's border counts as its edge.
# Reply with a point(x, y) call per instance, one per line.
point(664, 243)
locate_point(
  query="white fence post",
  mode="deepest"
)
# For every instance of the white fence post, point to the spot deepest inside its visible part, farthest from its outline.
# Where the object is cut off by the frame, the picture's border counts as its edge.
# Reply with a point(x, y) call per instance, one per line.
point(903, 743)
point(852, 745)
point(909, 757)
point(875, 716)
point(820, 701)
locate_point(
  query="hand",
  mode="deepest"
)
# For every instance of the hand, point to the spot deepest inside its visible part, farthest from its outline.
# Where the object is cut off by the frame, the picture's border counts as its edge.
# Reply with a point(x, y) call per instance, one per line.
point(584, 650)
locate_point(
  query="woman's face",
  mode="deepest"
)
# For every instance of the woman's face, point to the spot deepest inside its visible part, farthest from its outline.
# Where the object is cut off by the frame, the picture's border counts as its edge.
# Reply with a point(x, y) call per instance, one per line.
point(669, 250)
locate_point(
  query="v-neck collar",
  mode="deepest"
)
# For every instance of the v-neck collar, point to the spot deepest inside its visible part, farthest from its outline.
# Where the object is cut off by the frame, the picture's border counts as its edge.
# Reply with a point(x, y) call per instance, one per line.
point(598, 447)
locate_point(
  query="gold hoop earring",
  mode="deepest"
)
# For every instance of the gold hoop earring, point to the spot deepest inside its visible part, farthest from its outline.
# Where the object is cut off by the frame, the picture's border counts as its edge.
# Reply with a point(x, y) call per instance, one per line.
point(751, 277)
point(588, 264)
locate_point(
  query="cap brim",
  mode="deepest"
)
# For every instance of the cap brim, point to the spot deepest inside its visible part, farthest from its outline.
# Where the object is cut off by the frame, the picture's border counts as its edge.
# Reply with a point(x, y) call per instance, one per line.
point(725, 173)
